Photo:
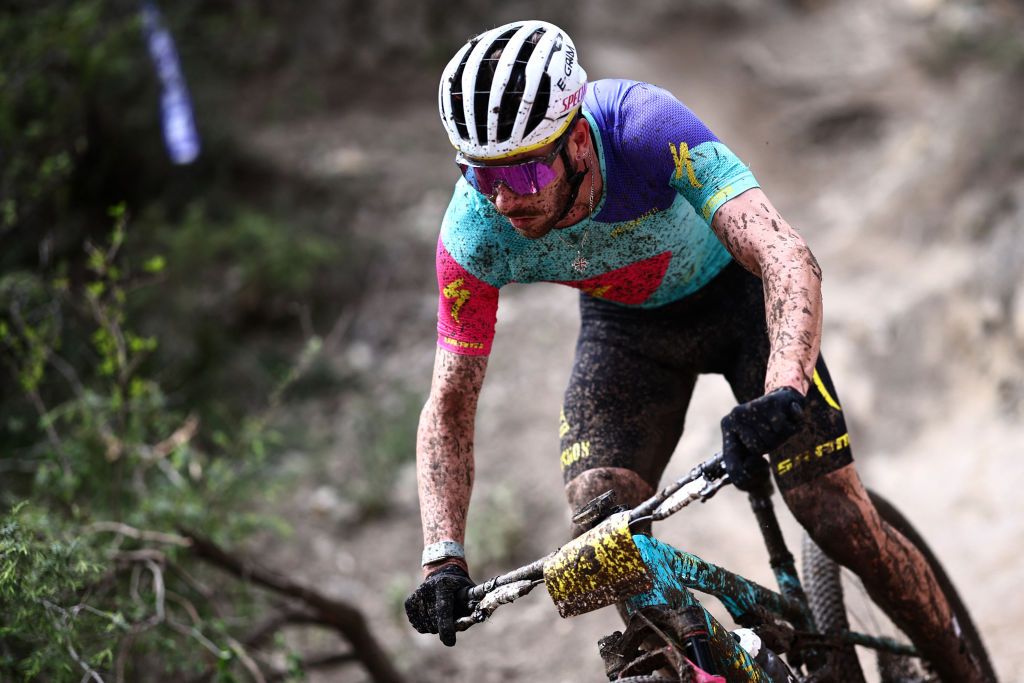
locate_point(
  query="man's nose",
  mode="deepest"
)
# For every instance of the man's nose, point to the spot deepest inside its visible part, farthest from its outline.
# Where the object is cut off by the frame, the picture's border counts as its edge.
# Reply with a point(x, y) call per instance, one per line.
point(505, 200)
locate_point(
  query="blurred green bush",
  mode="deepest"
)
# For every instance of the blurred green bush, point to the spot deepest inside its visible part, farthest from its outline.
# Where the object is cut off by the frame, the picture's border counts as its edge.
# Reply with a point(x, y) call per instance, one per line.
point(137, 365)
point(80, 131)
point(95, 574)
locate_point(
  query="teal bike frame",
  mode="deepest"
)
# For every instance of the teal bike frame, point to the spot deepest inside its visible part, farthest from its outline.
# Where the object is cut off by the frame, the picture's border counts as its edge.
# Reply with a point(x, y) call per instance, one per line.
point(675, 574)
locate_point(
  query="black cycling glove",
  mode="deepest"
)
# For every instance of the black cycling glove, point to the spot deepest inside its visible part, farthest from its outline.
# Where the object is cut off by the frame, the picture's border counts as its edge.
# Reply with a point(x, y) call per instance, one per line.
point(757, 427)
point(434, 606)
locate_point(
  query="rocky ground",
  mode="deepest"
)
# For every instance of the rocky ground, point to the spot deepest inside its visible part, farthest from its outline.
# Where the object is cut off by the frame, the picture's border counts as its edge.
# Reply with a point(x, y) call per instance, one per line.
point(906, 175)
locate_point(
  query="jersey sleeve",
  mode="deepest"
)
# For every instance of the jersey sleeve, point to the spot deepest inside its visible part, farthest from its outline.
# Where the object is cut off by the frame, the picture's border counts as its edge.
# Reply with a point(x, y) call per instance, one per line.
point(676, 147)
point(467, 307)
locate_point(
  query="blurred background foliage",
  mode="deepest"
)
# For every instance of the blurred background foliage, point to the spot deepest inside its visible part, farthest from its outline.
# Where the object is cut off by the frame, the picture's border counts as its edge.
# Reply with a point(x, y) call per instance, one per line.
point(80, 129)
point(160, 324)
point(152, 321)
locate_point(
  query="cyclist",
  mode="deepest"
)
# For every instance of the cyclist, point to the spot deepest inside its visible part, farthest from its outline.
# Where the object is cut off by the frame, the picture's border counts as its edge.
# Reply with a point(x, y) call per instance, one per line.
point(685, 267)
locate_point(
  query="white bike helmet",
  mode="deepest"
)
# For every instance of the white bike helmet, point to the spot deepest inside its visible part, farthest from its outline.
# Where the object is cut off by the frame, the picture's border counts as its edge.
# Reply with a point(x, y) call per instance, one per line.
point(511, 89)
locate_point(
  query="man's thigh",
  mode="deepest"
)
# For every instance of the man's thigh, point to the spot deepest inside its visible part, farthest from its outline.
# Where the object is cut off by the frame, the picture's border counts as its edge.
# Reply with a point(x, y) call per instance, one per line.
point(621, 410)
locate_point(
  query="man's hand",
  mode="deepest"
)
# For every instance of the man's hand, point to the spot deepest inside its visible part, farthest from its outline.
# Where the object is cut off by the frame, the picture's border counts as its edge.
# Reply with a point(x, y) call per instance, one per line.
point(434, 607)
point(758, 427)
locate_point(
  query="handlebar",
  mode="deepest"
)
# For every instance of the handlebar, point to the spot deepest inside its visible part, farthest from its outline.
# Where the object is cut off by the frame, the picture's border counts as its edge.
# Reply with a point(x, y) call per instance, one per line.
point(700, 483)
point(711, 471)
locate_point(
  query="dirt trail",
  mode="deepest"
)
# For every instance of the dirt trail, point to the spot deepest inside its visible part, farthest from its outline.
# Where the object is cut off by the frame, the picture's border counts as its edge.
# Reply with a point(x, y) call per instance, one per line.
point(872, 159)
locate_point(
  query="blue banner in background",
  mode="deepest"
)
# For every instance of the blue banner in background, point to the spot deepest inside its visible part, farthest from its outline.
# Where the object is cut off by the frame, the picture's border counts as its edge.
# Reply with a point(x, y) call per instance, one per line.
point(175, 107)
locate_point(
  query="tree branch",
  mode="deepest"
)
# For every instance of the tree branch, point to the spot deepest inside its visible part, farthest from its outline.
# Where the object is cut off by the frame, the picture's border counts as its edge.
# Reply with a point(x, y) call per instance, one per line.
point(62, 626)
point(140, 534)
point(246, 660)
point(195, 584)
point(274, 624)
point(181, 436)
point(323, 661)
point(343, 617)
point(140, 555)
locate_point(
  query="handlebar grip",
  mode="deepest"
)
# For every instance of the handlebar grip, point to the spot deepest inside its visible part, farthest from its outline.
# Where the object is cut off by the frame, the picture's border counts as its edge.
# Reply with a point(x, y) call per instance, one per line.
point(714, 467)
point(464, 596)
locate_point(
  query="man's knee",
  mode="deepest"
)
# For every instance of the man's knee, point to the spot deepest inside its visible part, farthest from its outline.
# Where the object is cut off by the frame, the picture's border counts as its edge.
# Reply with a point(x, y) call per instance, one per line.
point(630, 488)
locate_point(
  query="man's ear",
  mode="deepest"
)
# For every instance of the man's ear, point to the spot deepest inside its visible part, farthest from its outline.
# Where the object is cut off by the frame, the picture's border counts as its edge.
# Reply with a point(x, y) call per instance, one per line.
point(580, 139)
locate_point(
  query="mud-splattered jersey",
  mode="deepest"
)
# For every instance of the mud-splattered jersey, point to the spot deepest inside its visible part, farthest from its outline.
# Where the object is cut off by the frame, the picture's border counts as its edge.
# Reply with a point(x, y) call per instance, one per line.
point(648, 242)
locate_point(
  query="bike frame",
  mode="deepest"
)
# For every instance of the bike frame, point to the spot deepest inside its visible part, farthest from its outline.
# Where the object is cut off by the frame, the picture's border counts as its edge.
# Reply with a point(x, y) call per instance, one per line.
point(675, 574)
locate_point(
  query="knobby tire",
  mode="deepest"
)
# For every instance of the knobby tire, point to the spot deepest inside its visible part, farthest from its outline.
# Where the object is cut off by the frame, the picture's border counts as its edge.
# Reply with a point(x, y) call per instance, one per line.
point(822, 584)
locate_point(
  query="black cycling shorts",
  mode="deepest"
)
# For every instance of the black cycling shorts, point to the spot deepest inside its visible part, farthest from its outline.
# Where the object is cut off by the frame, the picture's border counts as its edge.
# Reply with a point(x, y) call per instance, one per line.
point(635, 370)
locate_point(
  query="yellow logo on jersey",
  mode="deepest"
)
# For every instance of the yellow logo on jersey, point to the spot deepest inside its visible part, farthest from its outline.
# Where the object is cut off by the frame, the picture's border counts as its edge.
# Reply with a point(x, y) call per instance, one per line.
point(463, 344)
point(597, 292)
point(740, 659)
point(455, 290)
point(629, 226)
point(563, 424)
point(716, 199)
point(681, 159)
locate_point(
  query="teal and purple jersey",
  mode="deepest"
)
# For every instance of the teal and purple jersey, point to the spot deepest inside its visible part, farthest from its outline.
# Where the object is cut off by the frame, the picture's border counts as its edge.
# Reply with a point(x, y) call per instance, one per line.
point(648, 242)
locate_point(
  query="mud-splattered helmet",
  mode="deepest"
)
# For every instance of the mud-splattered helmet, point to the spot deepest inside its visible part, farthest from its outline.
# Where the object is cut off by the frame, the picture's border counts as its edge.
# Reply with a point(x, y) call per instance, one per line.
point(511, 89)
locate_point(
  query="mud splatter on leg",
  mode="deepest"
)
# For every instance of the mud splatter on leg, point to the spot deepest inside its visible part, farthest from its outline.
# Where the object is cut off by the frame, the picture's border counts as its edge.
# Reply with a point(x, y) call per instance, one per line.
point(837, 512)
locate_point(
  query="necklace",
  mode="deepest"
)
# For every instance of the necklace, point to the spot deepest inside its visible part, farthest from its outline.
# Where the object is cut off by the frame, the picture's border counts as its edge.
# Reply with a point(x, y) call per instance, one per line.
point(580, 263)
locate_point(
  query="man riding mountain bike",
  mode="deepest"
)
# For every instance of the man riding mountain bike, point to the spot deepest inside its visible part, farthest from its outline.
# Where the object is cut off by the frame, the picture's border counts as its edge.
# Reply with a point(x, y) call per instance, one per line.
point(684, 267)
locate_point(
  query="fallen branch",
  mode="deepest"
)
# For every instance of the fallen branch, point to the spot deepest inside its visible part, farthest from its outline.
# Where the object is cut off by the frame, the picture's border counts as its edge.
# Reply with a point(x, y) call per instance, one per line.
point(62, 626)
point(341, 616)
point(247, 661)
point(181, 436)
point(264, 631)
point(141, 555)
point(139, 534)
point(315, 662)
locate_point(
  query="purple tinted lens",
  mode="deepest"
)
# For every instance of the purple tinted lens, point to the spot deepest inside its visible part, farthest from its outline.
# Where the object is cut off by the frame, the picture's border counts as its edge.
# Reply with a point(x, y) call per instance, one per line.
point(528, 178)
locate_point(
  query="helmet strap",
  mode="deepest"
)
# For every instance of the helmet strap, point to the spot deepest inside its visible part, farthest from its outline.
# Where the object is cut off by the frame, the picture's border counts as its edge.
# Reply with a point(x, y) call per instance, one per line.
point(575, 180)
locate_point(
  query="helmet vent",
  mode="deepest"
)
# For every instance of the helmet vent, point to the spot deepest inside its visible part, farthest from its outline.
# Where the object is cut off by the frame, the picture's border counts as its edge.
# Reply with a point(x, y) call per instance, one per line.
point(484, 81)
point(458, 111)
point(512, 98)
point(540, 105)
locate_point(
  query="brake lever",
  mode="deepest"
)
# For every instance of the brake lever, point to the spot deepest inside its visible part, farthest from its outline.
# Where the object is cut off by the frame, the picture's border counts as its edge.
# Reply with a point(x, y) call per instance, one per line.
point(463, 597)
point(714, 467)
point(501, 595)
point(714, 487)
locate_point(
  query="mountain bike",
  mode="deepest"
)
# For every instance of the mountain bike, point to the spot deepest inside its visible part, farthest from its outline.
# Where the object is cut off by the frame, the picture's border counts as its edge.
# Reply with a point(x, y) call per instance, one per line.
point(671, 638)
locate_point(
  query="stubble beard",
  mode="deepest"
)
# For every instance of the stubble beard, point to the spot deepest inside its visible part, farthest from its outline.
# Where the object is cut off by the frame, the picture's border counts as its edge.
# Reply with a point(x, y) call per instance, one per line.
point(552, 211)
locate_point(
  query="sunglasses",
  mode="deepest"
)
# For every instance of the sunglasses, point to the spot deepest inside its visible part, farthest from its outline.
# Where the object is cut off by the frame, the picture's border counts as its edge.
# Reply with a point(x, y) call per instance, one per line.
point(523, 178)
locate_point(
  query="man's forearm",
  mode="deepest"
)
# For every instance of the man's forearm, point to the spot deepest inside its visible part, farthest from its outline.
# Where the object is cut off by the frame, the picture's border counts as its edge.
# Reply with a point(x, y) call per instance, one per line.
point(792, 298)
point(757, 236)
point(444, 447)
point(444, 473)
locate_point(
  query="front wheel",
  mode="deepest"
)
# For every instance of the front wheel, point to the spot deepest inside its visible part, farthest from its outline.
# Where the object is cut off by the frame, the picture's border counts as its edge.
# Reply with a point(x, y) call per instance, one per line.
point(840, 603)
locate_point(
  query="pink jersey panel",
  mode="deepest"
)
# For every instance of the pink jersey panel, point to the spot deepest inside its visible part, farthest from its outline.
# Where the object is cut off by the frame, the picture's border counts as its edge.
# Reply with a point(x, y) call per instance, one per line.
point(466, 310)
point(632, 284)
